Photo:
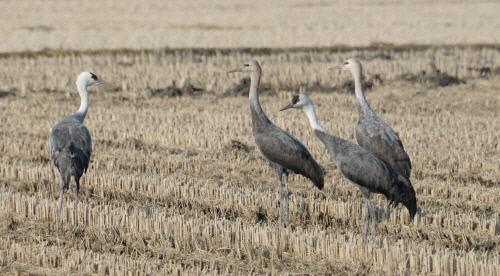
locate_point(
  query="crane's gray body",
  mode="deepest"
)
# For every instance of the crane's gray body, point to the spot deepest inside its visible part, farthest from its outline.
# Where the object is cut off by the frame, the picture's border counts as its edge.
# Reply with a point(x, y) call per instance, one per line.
point(373, 134)
point(371, 173)
point(284, 151)
point(70, 144)
point(70, 148)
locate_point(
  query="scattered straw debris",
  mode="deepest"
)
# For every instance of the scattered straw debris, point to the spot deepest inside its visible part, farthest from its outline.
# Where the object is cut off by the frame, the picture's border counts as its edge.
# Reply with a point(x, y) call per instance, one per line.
point(241, 89)
point(8, 93)
point(185, 89)
point(435, 78)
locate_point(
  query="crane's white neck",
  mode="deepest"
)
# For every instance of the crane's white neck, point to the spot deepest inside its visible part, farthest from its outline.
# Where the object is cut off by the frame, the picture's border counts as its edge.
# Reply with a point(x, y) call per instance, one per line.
point(311, 115)
point(84, 104)
point(358, 90)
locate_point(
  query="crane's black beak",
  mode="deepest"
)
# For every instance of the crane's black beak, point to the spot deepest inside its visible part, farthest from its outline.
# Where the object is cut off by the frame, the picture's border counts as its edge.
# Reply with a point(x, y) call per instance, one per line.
point(290, 105)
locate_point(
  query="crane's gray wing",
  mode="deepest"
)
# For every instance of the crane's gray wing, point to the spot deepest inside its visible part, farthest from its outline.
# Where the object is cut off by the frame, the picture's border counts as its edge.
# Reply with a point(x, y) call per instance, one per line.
point(283, 149)
point(365, 169)
point(82, 138)
point(72, 139)
point(378, 137)
point(357, 164)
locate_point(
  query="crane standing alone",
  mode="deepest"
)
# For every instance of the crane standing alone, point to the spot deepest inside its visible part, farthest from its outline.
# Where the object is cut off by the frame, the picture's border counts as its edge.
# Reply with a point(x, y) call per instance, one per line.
point(284, 152)
point(372, 133)
point(371, 173)
point(70, 144)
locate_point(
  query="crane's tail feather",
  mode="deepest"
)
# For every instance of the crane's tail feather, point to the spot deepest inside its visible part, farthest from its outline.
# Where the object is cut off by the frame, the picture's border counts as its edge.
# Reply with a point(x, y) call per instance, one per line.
point(318, 176)
point(403, 167)
point(407, 195)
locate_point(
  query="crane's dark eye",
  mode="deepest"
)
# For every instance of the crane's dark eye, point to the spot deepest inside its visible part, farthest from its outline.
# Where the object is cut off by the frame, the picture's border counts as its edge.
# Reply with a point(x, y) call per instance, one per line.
point(246, 65)
point(93, 76)
point(345, 63)
point(295, 99)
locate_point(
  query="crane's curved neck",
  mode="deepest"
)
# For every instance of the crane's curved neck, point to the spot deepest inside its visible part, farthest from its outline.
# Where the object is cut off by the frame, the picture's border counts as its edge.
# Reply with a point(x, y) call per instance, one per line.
point(358, 90)
point(330, 141)
point(256, 108)
point(84, 104)
point(313, 119)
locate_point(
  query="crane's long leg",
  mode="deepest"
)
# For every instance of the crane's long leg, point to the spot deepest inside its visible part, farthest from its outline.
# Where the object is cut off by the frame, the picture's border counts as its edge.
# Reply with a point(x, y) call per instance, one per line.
point(374, 219)
point(54, 177)
point(284, 199)
point(63, 187)
point(366, 197)
point(77, 180)
point(367, 220)
point(59, 207)
point(388, 210)
point(77, 191)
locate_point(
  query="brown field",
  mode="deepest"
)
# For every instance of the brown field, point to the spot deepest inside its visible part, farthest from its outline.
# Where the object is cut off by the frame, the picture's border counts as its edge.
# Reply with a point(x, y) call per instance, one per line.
point(153, 24)
point(176, 184)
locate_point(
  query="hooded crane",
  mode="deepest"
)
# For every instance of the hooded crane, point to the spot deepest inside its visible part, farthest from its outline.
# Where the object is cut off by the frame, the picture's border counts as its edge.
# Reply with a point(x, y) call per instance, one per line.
point(70, 144)
point(372, 133)
point(283, 151)
point(370, 173)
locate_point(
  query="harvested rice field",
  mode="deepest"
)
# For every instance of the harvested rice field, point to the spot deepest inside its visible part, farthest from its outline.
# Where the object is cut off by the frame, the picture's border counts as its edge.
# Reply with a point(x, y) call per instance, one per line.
point(176, 184)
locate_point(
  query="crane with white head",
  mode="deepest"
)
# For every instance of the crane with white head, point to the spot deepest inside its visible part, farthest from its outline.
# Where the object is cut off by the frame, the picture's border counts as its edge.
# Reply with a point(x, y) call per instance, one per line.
point(365, 169)
point(70, 144)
